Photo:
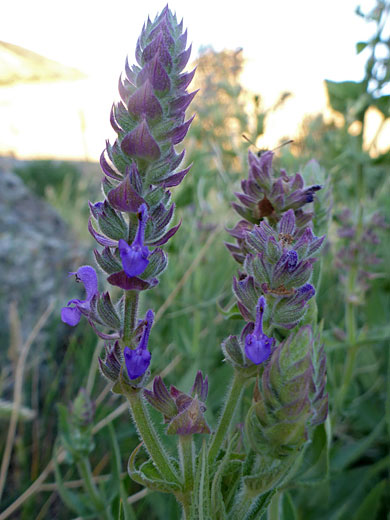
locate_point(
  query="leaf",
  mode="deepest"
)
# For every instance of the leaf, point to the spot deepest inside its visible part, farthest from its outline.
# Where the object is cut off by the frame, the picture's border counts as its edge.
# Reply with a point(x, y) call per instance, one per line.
point(370, 505)
point(149, 476)
point(382, 103)
point(360, 46)
point(315, 463)
point(218, 509)
point(125, 509)
point(346, 455)
point(343, 94)
point(121, 515)
point(260, 506)
point(231, 313)
point(74, 501)
point(289, 511)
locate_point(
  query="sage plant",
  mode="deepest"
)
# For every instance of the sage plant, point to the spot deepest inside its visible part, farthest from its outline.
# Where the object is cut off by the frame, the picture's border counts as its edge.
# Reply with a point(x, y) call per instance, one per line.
point(278, 354)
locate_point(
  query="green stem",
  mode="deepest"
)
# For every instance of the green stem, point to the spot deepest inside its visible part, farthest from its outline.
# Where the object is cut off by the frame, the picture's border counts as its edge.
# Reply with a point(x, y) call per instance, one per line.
point(186, 508)
point(149, 436)
point(351, 328)
point(85, 471)
point(273, 508)
point(130, 316)
point(230, 407)
point(187, 462)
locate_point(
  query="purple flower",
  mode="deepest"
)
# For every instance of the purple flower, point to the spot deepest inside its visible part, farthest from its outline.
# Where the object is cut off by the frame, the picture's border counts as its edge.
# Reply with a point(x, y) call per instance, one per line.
point(71, 314)
point(138, 360)
point(258, 345)
point(135, 257)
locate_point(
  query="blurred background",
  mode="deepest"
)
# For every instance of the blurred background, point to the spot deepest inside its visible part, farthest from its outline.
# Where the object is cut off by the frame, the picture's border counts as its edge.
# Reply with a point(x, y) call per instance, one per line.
point(314, 72)
point(60, 63)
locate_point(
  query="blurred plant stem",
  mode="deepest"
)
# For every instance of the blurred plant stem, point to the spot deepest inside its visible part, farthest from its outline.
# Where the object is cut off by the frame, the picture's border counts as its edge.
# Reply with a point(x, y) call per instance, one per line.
point(231, 404)
point(84, 468)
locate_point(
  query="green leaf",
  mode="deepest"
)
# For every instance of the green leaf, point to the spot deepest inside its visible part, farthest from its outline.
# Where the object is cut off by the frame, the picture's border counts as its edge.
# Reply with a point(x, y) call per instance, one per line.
point(342, 95)
point(231, 313)
point(260, 506)
point(383, 105)
point(74, 501)
point(126, 510)
point(149, 476)
point(315, 463)
point(370, 505)
point(218, 509)
point(288, 508)
point(121, 514)
point(346, 455)
point(360, 46)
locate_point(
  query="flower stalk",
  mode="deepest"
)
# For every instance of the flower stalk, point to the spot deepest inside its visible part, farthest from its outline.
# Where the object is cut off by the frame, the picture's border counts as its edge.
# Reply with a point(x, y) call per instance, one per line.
point(149, 436)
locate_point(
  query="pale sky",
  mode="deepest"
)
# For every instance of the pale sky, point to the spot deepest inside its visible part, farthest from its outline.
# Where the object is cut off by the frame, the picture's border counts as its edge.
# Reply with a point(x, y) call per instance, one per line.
point(288, 45)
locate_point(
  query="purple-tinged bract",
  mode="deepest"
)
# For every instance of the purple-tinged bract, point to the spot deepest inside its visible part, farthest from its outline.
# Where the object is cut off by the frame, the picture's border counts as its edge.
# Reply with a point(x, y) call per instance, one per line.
point(182, 412)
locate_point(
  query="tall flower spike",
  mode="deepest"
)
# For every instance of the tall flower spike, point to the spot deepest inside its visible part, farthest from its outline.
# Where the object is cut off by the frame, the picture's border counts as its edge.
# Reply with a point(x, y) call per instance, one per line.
point(258, 345)
point(135, 257)
point(71, 314)
point(138, 360)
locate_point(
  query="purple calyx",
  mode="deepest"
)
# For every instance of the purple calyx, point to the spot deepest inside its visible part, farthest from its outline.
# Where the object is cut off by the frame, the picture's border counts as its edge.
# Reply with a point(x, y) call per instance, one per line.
point(71, 314)
point(138, 360)
point(135, 257)
point(257, 344)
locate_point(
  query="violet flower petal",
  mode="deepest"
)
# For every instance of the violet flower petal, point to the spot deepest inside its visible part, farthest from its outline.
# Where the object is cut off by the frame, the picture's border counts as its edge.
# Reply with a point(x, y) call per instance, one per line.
point(258, 345)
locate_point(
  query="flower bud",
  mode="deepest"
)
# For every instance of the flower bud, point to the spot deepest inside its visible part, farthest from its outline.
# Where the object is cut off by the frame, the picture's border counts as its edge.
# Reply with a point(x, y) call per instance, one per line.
point(290, 398)
point(182, 412)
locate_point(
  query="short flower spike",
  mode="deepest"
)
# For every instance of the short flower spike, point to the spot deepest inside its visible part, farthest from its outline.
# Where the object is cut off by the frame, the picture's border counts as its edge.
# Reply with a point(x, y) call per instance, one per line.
point(258, 345)
point(135, 257)
point(71, 314)
point(138, 360)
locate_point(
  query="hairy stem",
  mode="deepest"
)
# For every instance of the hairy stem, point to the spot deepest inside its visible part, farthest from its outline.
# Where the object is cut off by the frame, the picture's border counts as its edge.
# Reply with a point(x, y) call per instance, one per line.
point(230, 407)
point(186, 458)
point(130, 316)
point(149, 435)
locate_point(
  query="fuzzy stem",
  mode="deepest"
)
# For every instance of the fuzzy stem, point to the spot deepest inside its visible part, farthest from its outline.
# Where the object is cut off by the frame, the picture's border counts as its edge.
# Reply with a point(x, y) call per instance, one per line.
point(84, 468)
point(130, 315)
point(186, 459)
point(149, 436)
point(230, 407)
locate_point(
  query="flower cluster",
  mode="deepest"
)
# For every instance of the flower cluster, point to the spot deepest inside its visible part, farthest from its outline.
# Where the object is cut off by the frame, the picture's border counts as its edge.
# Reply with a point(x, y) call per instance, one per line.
point(279, 265)
point(267, 196)
point(134, 218)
